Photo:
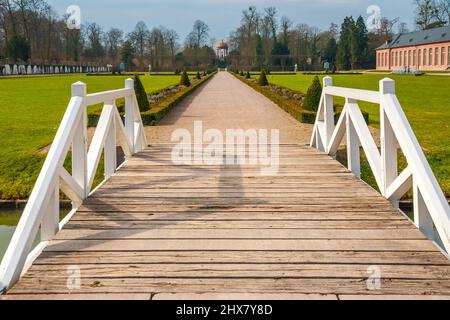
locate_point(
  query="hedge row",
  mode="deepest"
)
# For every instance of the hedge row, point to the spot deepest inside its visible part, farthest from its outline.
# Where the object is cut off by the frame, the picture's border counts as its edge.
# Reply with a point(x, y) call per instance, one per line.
point(292, 106)
point(158, 111)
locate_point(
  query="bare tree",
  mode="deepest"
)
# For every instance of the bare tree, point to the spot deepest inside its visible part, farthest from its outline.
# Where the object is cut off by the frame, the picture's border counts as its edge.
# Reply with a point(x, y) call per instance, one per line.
point(199, 34)
point(403, 27)
point(386, 28)
point(426, 14)
point(139, 38)
point(443, 11)
point(114, 40)
point(94, 37)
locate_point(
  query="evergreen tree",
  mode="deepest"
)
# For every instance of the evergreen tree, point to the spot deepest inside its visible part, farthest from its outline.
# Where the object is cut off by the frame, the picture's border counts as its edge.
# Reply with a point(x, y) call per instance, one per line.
point(184, 81)
point(141, 94)
point(344, 54)
point(312, 99)
point(263, 79)
point(127, 54)
point(330, 51)
point(18, 48)
point(362, 42)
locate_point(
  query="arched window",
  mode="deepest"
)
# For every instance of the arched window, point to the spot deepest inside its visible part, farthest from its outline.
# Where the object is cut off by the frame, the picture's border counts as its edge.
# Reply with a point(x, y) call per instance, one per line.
point(448, 56)
point(436, 56)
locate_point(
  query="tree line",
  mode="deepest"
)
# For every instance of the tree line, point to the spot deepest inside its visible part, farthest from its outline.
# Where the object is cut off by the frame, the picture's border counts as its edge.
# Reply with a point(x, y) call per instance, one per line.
point(32, 31)
point(265, 41)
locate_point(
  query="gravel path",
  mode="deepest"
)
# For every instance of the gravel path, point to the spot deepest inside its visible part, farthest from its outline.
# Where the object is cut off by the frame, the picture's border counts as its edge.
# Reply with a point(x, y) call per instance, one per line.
point(227, 103)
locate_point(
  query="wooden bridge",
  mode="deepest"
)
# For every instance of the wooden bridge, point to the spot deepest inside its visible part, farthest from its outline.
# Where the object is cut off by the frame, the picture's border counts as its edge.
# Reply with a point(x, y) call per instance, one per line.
point(157, 230)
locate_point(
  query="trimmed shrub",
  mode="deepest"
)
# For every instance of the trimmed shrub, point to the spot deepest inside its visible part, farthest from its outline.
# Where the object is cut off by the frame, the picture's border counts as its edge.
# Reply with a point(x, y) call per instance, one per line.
point(312, 98)
point(141, 95)
point(263, 79)
point(157, 111)
point(242, 73)
point(184, 81)
point(293, 106)
point(247, 75)
point(198, 76)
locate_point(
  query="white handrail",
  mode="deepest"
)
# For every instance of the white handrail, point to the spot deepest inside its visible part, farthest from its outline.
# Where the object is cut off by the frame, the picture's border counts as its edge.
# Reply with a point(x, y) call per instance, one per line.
point(42, 209)
point(431, 209)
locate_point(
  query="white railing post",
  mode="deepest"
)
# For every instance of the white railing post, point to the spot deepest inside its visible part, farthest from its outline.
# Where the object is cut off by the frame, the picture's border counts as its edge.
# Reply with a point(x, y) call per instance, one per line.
point(79, 144)
point(328, 112)
point(353, 144)
point(422, 217)
point(110, 147)
point(389, 165)
point(129, 114)
point(50, 219)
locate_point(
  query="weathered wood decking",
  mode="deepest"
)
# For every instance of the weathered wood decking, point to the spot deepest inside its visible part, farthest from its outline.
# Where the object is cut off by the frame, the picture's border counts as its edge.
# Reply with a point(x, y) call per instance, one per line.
point(160, 231)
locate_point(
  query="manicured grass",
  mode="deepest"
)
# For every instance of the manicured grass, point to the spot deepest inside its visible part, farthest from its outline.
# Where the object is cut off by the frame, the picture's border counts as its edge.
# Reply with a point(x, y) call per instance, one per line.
point(30, 112)
point(425, 100)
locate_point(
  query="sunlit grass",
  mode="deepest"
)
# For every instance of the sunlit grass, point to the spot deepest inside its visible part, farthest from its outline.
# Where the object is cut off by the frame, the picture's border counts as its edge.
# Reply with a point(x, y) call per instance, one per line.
point(425, 100)
point(31, 110)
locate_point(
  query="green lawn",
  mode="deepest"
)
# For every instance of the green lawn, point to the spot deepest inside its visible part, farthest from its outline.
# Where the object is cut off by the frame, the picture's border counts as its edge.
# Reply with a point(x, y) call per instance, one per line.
point(425, 100)
point(30, 112)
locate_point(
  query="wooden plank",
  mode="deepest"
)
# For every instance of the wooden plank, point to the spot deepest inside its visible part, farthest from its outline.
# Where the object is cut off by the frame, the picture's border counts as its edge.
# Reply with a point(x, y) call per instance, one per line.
point(86, 234)
point(74, 296)
point(256, 257)
point(241, 201)
point(253, 192)
point(394, 297)
point(306, 207)
point(241, 245)
point(338, 224)
point(230, 216)
point(241, 297)
point(235, 271)
point(288, 286)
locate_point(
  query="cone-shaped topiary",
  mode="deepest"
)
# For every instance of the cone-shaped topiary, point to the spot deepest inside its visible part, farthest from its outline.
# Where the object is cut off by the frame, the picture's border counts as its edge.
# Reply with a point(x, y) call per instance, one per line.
point(198, 76)
point(141, 94)
point(263, 79)
point(184, 81)
point(242, 73)
point(312, 99)
point(247, 75)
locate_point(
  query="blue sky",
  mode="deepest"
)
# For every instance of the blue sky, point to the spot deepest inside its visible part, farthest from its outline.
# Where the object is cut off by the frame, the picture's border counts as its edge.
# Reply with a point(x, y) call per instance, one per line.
point(224, 16)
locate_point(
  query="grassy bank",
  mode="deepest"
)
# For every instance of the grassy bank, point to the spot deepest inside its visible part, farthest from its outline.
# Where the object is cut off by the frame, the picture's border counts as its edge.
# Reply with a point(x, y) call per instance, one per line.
point(30, 112)
point(425, 100)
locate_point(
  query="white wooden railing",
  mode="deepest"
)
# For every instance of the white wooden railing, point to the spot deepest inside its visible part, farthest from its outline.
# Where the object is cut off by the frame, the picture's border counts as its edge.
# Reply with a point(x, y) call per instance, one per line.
point(431, 209)
point(42, 210)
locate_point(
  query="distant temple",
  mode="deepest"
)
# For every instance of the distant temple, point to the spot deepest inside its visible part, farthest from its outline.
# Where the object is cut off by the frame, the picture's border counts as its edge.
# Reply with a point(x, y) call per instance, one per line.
point(222, 50)
point(427, 50)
